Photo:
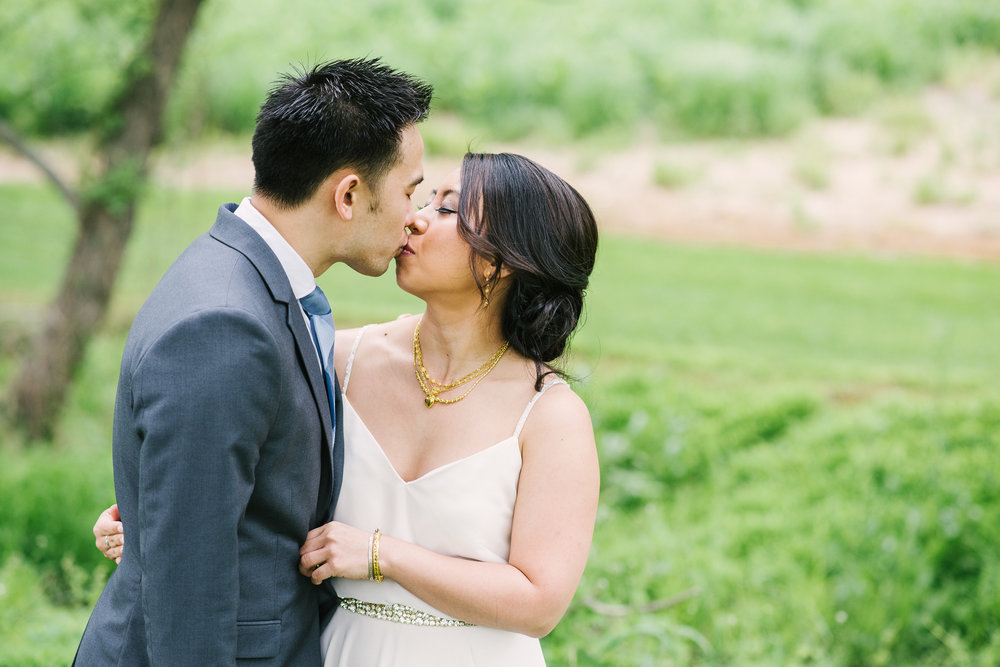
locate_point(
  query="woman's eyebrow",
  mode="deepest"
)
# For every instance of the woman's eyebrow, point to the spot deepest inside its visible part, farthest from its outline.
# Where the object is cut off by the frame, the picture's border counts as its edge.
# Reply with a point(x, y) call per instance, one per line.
point(449, 191)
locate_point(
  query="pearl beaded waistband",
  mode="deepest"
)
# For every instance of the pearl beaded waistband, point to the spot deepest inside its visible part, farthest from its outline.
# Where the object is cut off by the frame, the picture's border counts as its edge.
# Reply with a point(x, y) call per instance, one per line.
point(400, 613)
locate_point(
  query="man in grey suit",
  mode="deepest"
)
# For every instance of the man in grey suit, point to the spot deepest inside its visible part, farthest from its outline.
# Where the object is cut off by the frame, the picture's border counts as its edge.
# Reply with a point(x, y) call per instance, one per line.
point(227, 449)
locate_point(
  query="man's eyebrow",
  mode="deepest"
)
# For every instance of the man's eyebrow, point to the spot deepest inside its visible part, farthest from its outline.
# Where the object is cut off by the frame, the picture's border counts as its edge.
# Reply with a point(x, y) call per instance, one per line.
point(417, 181)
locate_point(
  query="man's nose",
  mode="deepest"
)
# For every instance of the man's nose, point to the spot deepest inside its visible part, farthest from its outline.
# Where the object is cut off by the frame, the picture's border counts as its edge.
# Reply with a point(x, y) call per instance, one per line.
point(417, 223)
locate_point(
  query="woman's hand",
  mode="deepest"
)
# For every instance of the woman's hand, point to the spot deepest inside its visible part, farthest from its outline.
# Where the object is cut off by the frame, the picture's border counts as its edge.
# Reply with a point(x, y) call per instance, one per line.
point(110, 534)
point(335, 550)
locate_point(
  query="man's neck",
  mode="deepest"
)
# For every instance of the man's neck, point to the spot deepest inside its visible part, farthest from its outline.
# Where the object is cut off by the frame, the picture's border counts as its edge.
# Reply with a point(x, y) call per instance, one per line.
point(295, 227)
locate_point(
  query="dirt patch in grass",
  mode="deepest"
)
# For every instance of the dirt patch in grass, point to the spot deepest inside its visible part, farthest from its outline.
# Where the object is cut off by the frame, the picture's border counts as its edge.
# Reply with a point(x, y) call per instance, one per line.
point(919, 175)
point(913, 177)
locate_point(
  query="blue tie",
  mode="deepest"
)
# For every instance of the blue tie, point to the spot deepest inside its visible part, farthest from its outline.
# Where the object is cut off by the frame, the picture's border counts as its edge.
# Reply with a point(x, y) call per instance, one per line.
point(324, 334)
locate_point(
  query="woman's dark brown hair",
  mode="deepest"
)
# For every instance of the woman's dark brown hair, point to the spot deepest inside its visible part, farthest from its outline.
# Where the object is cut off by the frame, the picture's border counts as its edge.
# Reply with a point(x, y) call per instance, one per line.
point(519, 216)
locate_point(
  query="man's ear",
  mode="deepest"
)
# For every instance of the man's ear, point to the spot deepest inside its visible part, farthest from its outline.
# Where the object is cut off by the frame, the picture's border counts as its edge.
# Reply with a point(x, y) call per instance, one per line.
point(346, 195)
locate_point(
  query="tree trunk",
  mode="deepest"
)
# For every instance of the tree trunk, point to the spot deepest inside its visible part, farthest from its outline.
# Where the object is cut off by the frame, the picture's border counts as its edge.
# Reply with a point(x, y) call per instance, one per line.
point(105, 224)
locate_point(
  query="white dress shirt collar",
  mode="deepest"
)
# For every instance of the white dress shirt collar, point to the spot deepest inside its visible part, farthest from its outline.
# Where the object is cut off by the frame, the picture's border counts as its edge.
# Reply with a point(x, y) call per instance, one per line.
point(299, 274)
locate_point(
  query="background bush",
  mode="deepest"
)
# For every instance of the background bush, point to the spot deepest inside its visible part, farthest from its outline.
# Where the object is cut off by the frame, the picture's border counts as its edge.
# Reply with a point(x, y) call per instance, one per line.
point(559, 69)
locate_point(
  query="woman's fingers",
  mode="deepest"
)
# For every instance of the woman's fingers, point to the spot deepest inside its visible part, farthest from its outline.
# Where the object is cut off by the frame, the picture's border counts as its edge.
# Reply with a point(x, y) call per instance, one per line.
point(317, 565)
point(318, 572)
point(321, 573)
point(334, 550)
point(109, 535)
point(310, 560)
point(317, 538)
point(108, 523)
point(312, 544)
point(111, 546)
point(315, 533)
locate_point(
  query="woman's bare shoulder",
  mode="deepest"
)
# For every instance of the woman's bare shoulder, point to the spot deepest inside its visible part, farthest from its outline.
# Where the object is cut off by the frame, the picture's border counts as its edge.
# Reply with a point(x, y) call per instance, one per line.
point(559, 435)
point(561, 412)
point(562, 398)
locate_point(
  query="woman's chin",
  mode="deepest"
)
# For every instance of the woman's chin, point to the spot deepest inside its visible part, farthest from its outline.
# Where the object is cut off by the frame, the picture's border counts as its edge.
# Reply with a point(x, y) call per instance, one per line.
point(401, 281)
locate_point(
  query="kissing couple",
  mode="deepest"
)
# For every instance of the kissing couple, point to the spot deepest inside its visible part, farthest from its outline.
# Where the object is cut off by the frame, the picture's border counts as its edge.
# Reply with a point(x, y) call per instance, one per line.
point(417, 492)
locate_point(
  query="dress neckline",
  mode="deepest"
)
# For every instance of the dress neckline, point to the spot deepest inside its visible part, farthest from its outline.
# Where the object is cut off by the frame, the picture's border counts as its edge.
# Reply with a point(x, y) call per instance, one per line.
point(433, 471)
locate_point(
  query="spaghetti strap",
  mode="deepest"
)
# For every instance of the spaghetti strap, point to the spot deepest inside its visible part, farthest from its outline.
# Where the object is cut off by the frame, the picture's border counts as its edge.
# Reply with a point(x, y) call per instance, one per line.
point(350, 359)
point(531, 404)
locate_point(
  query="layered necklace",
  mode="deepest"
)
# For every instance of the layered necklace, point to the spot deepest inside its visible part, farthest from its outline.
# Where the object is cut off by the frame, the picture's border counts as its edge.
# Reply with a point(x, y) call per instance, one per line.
point(432, 388)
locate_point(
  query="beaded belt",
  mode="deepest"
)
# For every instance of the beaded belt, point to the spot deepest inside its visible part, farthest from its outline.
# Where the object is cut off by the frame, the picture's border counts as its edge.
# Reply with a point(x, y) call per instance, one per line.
point(400, 613)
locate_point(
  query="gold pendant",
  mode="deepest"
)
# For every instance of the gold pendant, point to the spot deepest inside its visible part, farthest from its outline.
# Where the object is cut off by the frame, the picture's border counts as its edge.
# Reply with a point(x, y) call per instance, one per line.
point(429, 401)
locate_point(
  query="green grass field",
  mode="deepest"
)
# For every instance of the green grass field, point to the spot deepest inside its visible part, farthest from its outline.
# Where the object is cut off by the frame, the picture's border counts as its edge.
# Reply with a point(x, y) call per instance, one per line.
point(802, 445)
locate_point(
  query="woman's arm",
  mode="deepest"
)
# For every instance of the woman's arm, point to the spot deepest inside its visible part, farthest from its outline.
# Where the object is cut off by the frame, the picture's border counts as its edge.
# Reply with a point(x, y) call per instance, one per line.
point(550, 539)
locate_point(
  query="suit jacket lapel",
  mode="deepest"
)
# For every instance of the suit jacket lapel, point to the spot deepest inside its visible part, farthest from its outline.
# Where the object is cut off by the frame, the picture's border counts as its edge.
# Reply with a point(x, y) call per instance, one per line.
point(310, 362)
point(232, 231)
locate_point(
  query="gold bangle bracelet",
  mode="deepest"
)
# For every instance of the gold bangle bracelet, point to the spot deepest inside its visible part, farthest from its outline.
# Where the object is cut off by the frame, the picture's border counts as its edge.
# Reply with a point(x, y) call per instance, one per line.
point(376, 570)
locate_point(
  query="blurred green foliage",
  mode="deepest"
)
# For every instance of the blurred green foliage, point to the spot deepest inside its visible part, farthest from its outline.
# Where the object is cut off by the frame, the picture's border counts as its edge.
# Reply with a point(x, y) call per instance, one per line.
point(62, 60)
point(807, 441)
point(559, 69)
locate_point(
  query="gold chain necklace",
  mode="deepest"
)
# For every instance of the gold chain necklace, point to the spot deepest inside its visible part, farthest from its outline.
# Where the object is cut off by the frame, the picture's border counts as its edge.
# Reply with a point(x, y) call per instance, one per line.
point(432, 387)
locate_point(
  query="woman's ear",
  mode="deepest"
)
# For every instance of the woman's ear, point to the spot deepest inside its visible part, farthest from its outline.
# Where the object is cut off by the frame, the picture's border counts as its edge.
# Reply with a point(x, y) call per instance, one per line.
point(490, 273)
point(504, 270)
point(345, 195)
point(494, 279)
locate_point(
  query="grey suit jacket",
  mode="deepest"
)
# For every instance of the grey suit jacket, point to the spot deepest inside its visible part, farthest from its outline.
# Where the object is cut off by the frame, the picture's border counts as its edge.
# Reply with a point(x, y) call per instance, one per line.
point(223, 461)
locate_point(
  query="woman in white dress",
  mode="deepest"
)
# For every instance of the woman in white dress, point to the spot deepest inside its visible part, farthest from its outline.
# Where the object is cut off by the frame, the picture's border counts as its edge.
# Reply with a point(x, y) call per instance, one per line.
point(470, 475)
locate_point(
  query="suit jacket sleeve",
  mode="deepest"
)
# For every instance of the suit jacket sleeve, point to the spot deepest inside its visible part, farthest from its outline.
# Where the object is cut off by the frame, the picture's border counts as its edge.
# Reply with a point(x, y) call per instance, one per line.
point(203, 396)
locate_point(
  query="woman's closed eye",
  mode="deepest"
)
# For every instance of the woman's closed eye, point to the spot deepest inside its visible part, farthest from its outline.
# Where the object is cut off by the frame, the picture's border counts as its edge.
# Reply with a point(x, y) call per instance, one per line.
point(443, 209)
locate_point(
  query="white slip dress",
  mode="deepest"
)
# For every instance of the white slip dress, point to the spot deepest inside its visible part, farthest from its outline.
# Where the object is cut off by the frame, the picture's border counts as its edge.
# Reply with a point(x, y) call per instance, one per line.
point(463, 508)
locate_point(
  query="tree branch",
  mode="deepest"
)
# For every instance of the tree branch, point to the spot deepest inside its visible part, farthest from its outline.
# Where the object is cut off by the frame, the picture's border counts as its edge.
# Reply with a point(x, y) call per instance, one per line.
point(10, 135)
point(606, 609)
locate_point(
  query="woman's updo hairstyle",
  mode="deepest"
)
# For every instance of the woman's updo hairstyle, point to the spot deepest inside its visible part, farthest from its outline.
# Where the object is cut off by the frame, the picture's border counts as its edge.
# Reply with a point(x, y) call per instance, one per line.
point(519, 216)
